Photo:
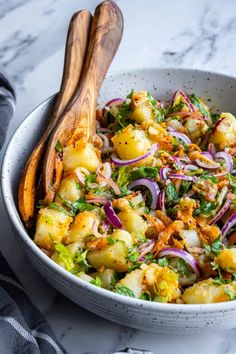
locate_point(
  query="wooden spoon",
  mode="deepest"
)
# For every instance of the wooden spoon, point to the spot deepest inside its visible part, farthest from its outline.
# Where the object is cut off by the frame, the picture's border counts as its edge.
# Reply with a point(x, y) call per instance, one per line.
point(76, 47)
point(78, 121)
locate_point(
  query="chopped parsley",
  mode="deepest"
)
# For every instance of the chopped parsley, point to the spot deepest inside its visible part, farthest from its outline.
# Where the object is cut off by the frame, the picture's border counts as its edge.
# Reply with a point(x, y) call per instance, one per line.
point(111, 240)
point(230, 293)
point(123, 290)
point(163, 262)
point(171, 194)
point(133, 254)
point(65, 256)
point(89, 179)
point(206, 175)
point(158, 111)
point(97, 281)
point(134, 266)
point(206, 208)
point(123, 177)
point(199, 105)
point(146, 296)
point(184, 188)
point(144, 172)
point(121, 118)
point(81, 261)
point(77, 206)
point(215, 117)
point(130, 95)
point(58, 146)
point(59, 208)
point(215, 247)
point(180, 266)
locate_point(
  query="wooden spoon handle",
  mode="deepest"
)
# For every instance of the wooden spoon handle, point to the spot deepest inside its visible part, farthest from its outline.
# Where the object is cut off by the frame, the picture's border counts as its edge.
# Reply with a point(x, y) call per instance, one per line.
point(75, 55)
point(105, 37)
point(78, 121)
point(76, 47)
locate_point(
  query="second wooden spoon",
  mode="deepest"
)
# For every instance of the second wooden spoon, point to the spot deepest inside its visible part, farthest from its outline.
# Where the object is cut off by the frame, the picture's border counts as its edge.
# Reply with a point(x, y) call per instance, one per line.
point(76, 46)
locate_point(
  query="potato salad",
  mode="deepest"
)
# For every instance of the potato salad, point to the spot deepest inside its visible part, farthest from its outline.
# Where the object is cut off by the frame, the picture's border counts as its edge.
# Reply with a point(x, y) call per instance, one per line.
point(147, 208)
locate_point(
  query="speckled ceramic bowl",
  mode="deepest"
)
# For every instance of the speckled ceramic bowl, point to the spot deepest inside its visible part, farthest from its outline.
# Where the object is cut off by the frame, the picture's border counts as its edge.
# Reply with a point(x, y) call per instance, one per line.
point(221, 92)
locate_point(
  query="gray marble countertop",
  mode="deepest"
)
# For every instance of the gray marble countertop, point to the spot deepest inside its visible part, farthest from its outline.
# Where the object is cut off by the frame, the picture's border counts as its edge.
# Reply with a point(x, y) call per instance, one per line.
point(183, 33)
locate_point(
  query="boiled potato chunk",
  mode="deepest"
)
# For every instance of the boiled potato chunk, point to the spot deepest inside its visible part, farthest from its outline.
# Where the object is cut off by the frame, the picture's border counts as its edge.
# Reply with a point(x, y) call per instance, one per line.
point(225, 132)
point(123, 236)
point(134, 281)
point(206, 292)
point(138, 99)
point(196, 128)
point(133, 222)
point(131, 143)
point(51, 227)
point(107, 277)
point(142, 113)
point(80, 155)
point(68, 190)
point(227, 260)
point(161, 282)
point(82, 226)
point(74, 247)
point(113, 257)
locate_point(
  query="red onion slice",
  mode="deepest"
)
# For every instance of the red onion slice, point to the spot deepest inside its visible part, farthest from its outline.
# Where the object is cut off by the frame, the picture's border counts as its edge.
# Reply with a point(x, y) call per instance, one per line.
point(187, 257)
point(104, 139)
point(111, 216)
point(99, 200)
point(104, 130)
point(151, 185)
point(212, 150)
point(185, 98)
point(228, 225)
point(221, 174)
point(119, 162)
point(146, 248)
point(171, 129)
point(227, 160)
point(163, 173)
point(115, 102)
point(81, 173)
point(190, 193)
point(106, 177)
point(217, 124)
point(181, 136)
point(183, 177)
point(105, 225)
point(177, 162)
point(184, 159)
point(161, 201)
point(106, 170)
point(207, 154)
point(190, 168)
point(210, 164)
point(221, 212)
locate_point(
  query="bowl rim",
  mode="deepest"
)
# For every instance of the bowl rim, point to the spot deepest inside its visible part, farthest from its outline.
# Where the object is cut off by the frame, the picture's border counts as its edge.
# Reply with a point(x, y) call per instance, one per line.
point(13, 214)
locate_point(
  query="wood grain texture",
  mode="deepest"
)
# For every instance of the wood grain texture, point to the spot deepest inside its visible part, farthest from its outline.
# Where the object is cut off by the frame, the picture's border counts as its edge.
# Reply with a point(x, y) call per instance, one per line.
point(76, 47)
point(79, 121)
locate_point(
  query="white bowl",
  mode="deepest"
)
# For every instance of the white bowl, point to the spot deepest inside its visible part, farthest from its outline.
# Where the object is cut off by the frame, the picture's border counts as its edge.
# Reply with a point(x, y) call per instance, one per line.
point(151, 316)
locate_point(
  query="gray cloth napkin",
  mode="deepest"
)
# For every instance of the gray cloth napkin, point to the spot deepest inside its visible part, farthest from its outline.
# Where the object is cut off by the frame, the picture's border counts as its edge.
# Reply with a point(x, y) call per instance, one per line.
point(7, 105)
point(23, 330)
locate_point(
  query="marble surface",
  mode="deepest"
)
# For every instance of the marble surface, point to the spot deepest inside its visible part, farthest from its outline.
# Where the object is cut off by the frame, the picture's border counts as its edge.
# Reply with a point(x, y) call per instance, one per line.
point(183, 33)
